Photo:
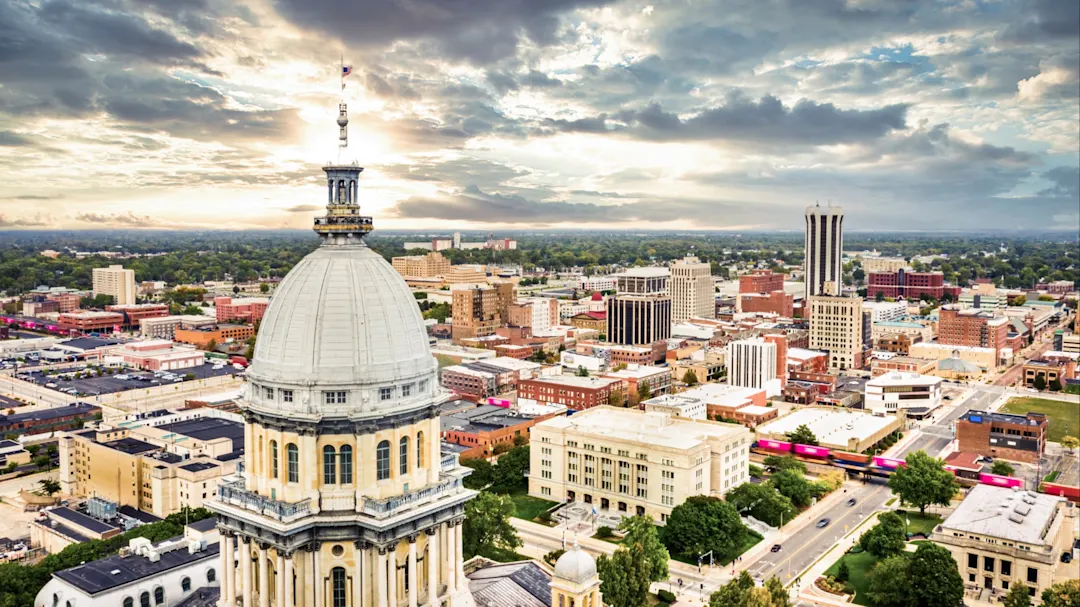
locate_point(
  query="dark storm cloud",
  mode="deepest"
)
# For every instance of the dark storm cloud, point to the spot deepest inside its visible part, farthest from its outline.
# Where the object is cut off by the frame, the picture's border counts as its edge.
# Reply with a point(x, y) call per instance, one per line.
point(478, 31)
point(9, 139)
point(116, 34)
point(1066, 183)
point(1045, 19)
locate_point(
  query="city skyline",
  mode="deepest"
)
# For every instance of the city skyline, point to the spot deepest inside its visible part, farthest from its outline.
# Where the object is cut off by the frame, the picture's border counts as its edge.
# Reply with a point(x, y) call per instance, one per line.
point(578, 113)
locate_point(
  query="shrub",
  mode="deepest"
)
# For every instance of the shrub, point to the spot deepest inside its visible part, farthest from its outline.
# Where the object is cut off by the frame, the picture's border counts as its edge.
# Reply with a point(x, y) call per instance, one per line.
point(553, 556)
point(666, 596)
point(843, 573)
point(605, 532)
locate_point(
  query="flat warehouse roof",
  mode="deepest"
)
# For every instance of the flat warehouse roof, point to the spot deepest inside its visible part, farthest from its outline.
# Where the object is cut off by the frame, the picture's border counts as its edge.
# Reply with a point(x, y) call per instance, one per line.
point(832, 426)
point(209, 428)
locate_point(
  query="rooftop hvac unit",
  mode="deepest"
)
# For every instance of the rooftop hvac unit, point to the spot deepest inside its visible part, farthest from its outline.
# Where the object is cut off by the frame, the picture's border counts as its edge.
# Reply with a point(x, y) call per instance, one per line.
point(1022, 509)
point(1016, 518)
point(1029, 500)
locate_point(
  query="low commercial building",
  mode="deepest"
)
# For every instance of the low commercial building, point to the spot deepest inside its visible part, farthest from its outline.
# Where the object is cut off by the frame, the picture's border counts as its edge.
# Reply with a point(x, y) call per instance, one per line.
point(902, 393)
point(477, 379)
point(881, 311)
point(678, 405)
point(1000, 537)
point(421, 266)
point(159, 355)
point(903, 364)
point(657, 378)
point(61, 527)
point(835, 428)
point(590, 320)
point(91, 321)
point(158, 462)
point(12, 452)
point(164, 327)
point(48, 420)
point(779, 302)
point(635, 462)
point(134, 314)
point(466, 274)
point(1046, 372)
point(572, 392)
point(179, 570)
point(483, 428)
point(247, 309)
point(984, 358)
point(203, 336)
point(916, 329)
point(722, 399)
point(615, 354)
point(1020, 438)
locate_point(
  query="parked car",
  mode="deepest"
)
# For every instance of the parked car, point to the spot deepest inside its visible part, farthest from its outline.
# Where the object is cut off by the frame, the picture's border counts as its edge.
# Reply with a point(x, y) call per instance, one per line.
point(1066, 557)
point(823, 523)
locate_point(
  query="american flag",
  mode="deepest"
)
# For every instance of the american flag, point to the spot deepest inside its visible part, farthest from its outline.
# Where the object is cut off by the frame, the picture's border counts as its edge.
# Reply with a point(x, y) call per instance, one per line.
point(346, 70)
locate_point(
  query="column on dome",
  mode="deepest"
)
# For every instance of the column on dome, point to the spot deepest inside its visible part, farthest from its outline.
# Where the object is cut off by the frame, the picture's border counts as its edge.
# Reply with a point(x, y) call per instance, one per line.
point(391, 578)
point(380, 578)
point(414, 582)
point(228, 592)
point(264, 576)
point(459, 555)
point(433, 566)
point(245, 571)
point(279, 577)
point(320, 600)
point(290, 583)
point(358, 575)
point(448, 559)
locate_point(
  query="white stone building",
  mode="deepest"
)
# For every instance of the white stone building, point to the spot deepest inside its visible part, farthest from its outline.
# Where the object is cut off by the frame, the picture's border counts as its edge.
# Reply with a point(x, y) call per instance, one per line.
point(692, 292)
point(900, 393)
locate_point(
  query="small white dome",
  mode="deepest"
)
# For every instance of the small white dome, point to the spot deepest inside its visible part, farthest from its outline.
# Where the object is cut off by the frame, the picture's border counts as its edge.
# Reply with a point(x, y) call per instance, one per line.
point(575, 565)
point(342, 320)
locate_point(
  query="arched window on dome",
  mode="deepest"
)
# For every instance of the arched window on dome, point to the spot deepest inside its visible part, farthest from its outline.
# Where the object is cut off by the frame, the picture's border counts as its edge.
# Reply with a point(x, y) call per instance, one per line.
point(382, 461)
point(346, 464)
point(419, 449)
point(403, 455)
point(274, 471)
point(292, 454)
point(329, 462)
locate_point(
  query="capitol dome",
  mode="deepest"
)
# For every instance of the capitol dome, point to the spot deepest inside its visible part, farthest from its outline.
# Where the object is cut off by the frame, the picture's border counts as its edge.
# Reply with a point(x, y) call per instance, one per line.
point(576, 566)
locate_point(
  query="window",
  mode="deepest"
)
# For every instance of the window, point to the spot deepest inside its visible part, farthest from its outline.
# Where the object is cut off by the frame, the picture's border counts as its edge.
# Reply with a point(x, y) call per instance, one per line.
point(293, 455)
point(406, 390)
point(130, 602)
point(286, 396)
point(334, 398)
point(1033, 575)
point(185, 585)
point(329, 459)
point(403, 455)
point(386, 394)
point(419, 449)
point(382, 461)
point(973, 561)
point(211, 575)
point(159, 595)
point(273, 459)
point(55, 599)
point(269, 393)
point(337, 581)
point(1006, 567)
point(346, 465)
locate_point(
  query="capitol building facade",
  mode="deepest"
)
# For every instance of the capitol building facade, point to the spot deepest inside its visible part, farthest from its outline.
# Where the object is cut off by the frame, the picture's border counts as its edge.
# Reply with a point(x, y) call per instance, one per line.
point(345, 499)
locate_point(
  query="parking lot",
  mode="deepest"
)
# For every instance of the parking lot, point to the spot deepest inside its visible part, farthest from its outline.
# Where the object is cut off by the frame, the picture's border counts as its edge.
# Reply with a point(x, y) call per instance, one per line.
point(121, 380)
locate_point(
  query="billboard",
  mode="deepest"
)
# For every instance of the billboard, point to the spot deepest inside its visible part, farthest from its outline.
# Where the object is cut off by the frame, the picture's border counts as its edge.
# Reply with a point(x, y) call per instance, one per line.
point(774, 445)
point(811, 451)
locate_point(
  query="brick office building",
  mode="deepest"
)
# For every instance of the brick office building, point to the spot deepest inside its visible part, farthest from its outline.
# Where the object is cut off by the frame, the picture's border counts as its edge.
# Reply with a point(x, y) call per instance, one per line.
point(761, 281)
point(91, 321)
point(1020, 438)
point(974, 327)
point(572, 392)
point(773, 302)
point(135, 313)
point(909, 285)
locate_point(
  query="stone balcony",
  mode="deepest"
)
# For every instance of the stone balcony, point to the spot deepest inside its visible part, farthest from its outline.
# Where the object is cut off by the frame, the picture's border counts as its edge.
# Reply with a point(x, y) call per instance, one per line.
point(391, 506)
point(340, 500)
point(235, 494)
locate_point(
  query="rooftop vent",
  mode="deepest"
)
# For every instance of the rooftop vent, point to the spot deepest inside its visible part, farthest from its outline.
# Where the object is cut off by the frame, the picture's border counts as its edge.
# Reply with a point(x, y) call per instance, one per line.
point(1016, 518)
point(1029, 500)
point(1023, 509)
point(115, 572)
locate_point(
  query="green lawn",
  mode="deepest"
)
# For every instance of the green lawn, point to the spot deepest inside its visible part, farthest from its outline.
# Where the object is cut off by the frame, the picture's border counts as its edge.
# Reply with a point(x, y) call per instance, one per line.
point(1052, 476)
point(920, 523)
point(1061, 414)
point(859, 566)
point(528, 507)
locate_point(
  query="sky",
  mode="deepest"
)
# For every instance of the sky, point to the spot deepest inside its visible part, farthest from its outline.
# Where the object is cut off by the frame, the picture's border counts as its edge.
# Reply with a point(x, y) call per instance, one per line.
point(525, 114)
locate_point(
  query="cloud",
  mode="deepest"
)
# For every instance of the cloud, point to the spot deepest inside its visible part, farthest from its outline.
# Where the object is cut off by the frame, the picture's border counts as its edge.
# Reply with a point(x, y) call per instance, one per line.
point(476, 31)
point(34, 197)
point(1066, 183)
point(10, 139)
point(128, 219)
point(36, 221)
point(303, 208)
point(1058, 79)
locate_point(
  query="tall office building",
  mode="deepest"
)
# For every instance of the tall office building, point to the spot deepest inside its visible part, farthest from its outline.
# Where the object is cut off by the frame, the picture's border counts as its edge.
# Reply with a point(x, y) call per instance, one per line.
point(751, 362)
point(836, 326)
point(640, 313)
point(691, 290)
point(474, 311)
point(823, 263)
point(116, 282)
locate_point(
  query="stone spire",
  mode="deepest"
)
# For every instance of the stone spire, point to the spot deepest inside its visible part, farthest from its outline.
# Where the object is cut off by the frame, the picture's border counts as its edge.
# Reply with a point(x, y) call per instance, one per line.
point(343, 224)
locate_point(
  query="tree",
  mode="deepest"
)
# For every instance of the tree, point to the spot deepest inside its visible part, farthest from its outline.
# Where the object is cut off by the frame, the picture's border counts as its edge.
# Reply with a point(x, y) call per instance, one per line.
point(887, 538)
point(802, 436)
point(890, 585)
point(236, 290)
point(582, 372)
point(793, 486)
point(1063, 594)
point(49, 486)
point(704, 523)
point(211, 345)
point(553, 556)
point(624, 579)
point(690, 378)
point(509, 472)
point(264, 288)
point(879, 296)
point(733, 593)
point(1002, 467)
point(778, 594)
point(641, 531)
point(191, 310)
point(1055, 385)
point(1017, 596)
point(1039, 383)
point(487, 525)
point(1070, 442)
point(644, 391)
point(843, 572)
point(616, 398)
point(481, 473)
point(785, 462)
point(934, 577)
point(42, 461)
point(923, 481)
point(1019, 300)
point(762, 502)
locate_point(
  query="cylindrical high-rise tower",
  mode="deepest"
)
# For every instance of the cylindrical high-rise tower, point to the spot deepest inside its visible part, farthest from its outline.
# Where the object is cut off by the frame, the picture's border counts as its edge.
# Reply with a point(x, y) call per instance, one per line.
point(823, 262)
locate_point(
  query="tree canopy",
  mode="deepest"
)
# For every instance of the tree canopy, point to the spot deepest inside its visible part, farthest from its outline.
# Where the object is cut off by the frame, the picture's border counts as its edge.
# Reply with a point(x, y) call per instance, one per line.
point(624, 577)
point(704, 523)
point(1002, 468)
point(887, 538)
point(762, 502)
point(1062, 594)
point(1017, 596)
point(641, 531)
point(794, 486)
point(923, 481)
point(802, 435)
point(487, 525)
point(785, 462)
point(743, 592)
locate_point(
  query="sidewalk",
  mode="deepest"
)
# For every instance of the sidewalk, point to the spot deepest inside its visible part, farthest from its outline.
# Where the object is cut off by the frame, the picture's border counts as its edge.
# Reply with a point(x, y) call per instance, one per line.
point(802, 585)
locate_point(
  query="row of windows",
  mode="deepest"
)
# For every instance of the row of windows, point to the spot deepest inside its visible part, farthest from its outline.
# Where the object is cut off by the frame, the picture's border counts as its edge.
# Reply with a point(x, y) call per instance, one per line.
point(159, 593)
point(338, 463)
point(340, 397)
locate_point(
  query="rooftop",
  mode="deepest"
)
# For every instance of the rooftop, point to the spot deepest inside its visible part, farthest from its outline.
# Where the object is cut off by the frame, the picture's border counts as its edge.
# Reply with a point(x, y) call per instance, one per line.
point(209, 428)
point(637, 371)
point(88, 343)
point(645, 272)
point(511, 364)
point(978, 417)
point(115, 571)
point(521, 584)
point(77, 518)
point(899, 378)
point(574, 381)
point(131, 446)
point(483, 418)
point(831, 426)
point(52, 413)
point(656, 429)
point(964, 460)
point(999, 512)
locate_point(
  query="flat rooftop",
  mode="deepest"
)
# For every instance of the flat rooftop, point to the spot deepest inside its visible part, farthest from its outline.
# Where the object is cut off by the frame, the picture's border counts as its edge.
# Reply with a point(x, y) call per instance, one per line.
point(645, 272)
point(833, 426)
point(81, 520)
point(574, 381)
point(978, 417)
point(656, 429)
point(115, 571)
point(209, 428)
point(637, 371)
point(52, 413)
point(131, 446)
point(999, 512)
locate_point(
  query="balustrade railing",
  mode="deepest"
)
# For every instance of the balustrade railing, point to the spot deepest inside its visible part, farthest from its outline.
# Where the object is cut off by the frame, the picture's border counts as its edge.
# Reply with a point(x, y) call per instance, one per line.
point(382, 508)
point(236, 495)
